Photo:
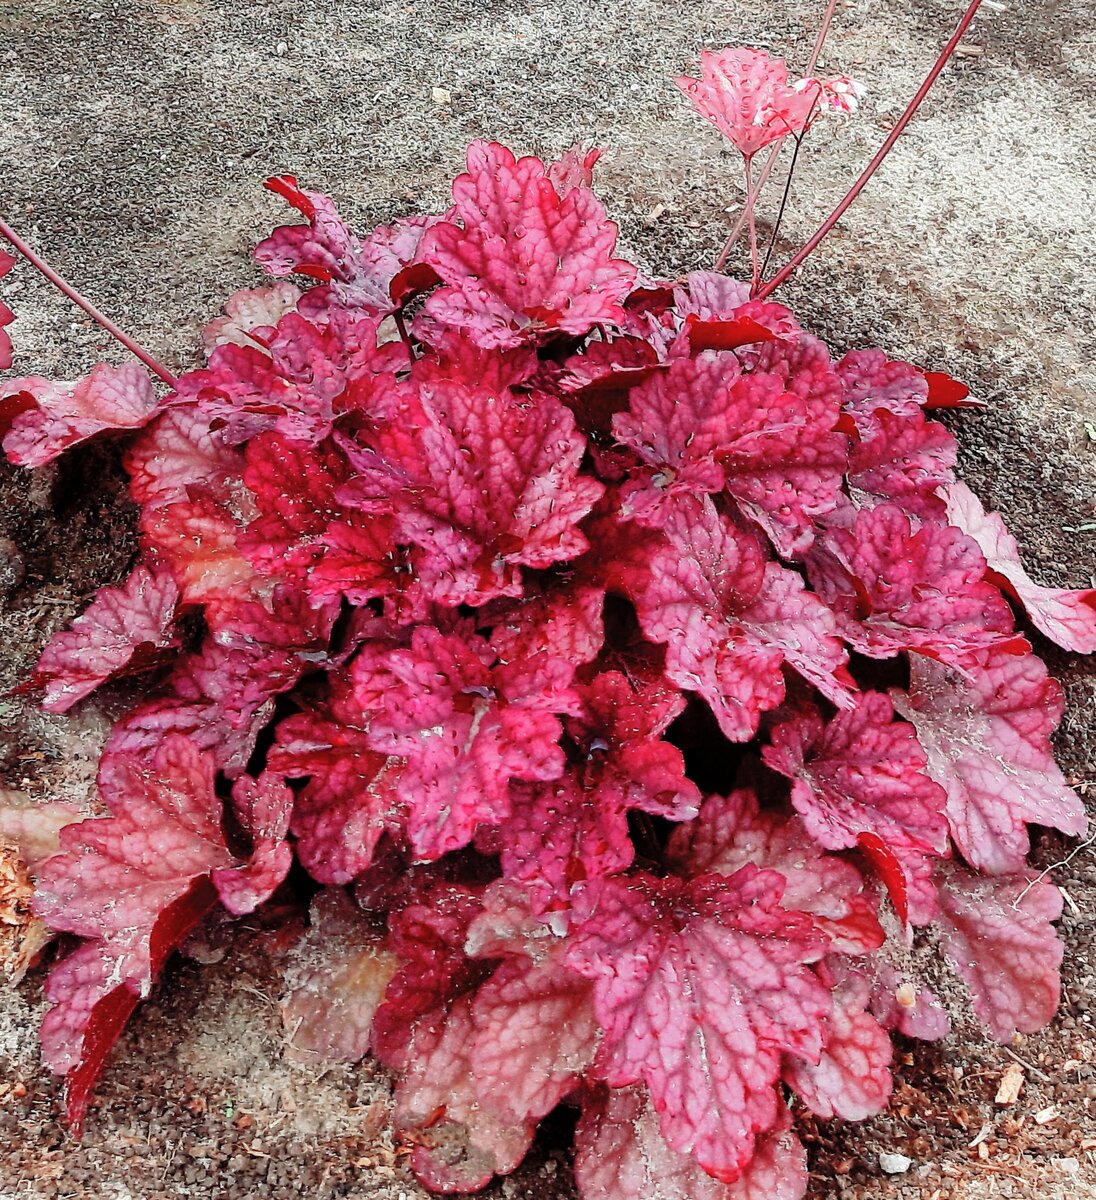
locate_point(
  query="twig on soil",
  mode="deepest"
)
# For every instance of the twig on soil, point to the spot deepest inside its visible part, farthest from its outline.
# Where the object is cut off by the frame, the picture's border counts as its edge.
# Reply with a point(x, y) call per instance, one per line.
point(44, 269)
point(899, 127)
point(1054, 867)
point(1030, 1066)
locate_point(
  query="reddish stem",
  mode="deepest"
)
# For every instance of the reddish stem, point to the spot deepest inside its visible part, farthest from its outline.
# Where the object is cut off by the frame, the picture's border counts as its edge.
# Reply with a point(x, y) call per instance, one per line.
point(774, 154)
point(881, 154)
point(43, 268)
point(755, 274)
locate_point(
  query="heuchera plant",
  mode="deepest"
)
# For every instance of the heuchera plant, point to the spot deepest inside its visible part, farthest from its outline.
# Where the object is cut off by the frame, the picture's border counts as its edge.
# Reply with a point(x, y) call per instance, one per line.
point(633, 681)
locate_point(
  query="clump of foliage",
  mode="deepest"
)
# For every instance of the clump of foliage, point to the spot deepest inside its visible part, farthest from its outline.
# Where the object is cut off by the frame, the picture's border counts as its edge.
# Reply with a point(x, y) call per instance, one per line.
point(633, 682)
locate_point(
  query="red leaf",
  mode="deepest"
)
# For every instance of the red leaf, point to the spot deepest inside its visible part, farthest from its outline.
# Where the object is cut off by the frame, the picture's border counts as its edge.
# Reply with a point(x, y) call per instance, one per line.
point(728, 619)
point(349, 800)
point(732, 831)
point(40, 419)
point(428, 937)
point(852, 1079)
point(726, 335)
point(465, 728)
point(945, 392)
point(527, 260)
point(621, 1155)
point(178, 457)
point(864, 773)
point(699, 987)
point(124, 628)
point(997, 934)
point(480, 484)
point(1066, 617)
point(895, 588)
point(985, 726)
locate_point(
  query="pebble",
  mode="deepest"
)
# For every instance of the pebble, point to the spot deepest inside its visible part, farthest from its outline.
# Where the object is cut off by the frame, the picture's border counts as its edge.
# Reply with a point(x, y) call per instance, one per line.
point(895, 1164)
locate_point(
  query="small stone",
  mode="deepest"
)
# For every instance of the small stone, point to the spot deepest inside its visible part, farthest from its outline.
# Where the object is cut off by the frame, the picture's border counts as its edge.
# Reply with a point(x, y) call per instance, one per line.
point(895, 1164)
point(442, 95)
point(1008, 1090)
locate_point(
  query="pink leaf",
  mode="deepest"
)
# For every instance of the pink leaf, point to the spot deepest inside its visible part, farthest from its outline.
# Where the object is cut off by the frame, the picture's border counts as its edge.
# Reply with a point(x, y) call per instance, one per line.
point(576, 828)
point(460, 1144)
point(895, 588)
point(465, 728)
point(985, 726)
point(899, 1003)
point(535, 1030)
point(262, 807)
point(861, 773)
point(852, 1079)
point(90, 1008)
point(574, 169)
point(997, 934)
point(620, 1155)
point(247, 310)
point(746, 95)
point(349, 799)
point(872, 382)
point(729, 620)
point(904, 460)
point(1066, 617)
point(702, 424)
point(699, 987)
point(732, 831)
point(134, 883)
point(124, 628)
point(374, 275)
point(527, 260)
point(41, 419)
point(481, 484)
point(177, 457)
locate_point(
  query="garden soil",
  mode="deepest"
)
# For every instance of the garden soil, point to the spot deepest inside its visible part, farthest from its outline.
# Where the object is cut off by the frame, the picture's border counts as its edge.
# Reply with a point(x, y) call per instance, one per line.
point(134, 138)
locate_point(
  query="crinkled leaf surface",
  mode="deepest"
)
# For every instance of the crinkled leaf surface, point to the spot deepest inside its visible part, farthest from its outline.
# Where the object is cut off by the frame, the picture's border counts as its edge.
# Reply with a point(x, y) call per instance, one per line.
point(1066, 616)
point(620, 1154)
point(40, 419)
point(863, 772)
point(527, 259)
point(699, 986)
point(124, 628)
point(986, 726)
point(733, 830)
point(998, 935)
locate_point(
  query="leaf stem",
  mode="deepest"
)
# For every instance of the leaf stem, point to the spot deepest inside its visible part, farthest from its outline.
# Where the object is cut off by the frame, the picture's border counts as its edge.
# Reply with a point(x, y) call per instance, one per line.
point(774, 154)
point(755, 274)
point(797, 260)
point(43, 268)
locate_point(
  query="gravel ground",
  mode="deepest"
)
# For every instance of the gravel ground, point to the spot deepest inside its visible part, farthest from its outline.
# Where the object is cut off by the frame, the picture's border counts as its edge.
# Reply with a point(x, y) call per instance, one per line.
point(133, 141)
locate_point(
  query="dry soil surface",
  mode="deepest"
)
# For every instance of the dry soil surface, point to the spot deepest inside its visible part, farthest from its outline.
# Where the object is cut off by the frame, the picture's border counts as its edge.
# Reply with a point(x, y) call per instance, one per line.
point(133, 141)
